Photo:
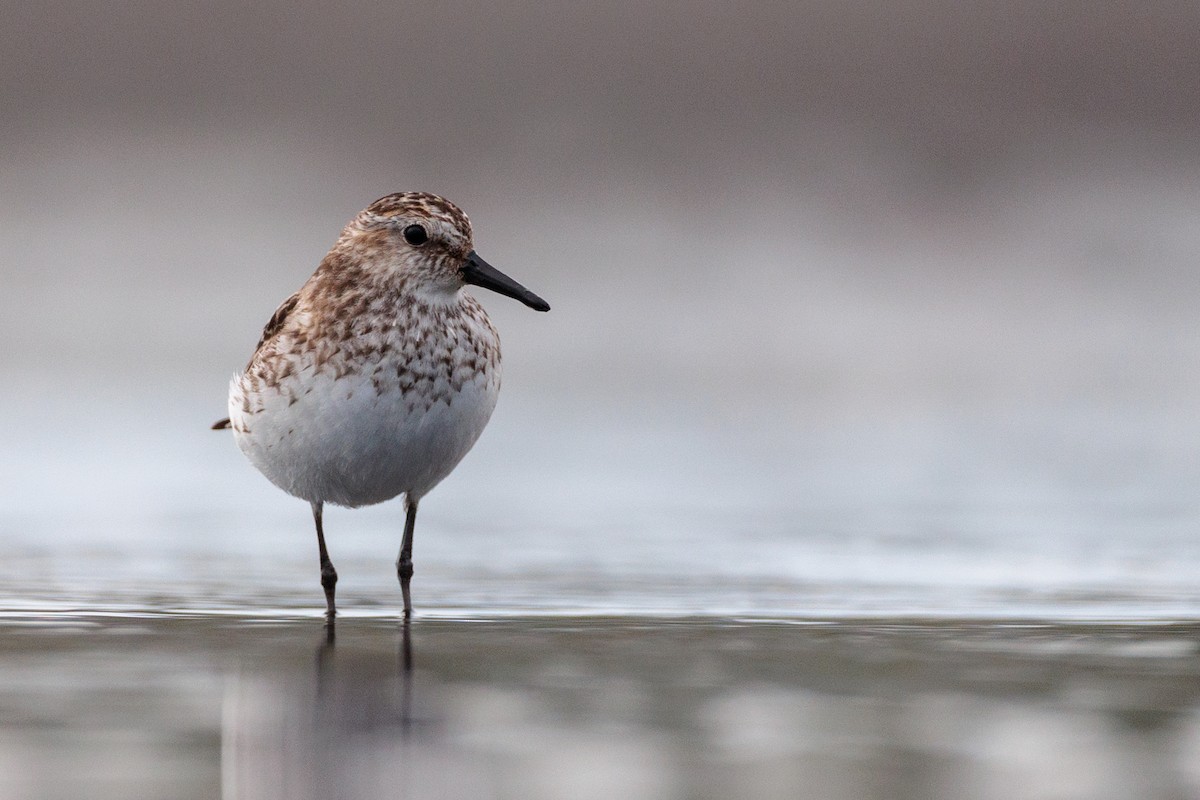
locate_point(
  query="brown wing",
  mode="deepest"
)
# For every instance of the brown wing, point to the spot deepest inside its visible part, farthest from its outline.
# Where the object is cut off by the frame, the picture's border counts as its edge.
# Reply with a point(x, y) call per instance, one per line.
point(276, 322)
point(273, 326)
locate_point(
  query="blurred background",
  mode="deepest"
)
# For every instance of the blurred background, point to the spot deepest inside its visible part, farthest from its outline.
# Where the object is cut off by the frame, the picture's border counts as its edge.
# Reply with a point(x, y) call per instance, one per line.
point(873, 351)
point(857, 307)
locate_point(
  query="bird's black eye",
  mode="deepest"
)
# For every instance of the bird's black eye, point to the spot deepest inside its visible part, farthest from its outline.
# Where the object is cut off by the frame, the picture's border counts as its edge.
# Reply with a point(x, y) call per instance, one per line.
point(415, 235)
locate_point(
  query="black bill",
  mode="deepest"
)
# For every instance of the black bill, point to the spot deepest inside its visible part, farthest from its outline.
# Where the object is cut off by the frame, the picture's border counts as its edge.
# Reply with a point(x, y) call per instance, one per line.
point(480, 273)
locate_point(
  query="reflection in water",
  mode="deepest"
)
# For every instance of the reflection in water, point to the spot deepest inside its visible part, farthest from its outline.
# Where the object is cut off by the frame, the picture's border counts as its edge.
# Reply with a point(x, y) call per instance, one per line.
point(404, 669)
point(330, 734)
point(585, 708)
point(406, 674)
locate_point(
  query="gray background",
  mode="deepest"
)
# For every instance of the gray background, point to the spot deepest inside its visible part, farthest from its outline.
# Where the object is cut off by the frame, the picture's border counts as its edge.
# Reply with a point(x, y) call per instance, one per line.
point(855, 306)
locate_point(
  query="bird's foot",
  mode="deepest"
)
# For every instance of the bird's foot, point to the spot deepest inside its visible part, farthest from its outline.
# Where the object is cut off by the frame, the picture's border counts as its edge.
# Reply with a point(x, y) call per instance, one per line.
point(329, 584)
point(404, 570)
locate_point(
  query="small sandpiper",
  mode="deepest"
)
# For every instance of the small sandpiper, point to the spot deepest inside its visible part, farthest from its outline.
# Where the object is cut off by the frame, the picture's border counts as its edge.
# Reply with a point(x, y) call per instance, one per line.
point(377, 377)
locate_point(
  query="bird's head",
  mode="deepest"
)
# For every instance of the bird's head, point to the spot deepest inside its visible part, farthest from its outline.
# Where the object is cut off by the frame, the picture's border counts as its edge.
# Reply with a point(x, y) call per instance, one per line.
point(426, 240)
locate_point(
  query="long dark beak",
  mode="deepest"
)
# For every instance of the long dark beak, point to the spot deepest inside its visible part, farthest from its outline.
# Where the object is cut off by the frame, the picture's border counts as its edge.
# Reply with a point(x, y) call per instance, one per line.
point(480, 273)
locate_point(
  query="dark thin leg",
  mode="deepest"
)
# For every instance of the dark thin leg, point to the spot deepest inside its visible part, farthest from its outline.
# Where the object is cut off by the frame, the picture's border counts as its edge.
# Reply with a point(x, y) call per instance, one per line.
point(404, 564)
point(328, 573)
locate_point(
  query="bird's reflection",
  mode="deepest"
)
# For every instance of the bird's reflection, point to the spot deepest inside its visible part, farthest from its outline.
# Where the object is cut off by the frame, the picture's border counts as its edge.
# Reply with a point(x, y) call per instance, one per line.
point(325, 650)
point(322, 733)
point(406, 676)
point(352, 698)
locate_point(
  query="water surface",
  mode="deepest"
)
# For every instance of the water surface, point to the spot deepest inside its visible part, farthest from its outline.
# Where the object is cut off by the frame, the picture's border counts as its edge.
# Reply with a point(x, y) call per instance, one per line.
point(199, 705)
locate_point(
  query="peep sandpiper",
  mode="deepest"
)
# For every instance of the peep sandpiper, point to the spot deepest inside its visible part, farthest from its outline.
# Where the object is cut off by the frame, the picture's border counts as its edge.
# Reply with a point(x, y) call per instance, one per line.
point(377, 377)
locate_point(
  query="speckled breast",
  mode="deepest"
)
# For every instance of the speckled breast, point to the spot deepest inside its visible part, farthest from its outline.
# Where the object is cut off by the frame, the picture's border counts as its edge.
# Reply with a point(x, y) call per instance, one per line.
point(380, 408)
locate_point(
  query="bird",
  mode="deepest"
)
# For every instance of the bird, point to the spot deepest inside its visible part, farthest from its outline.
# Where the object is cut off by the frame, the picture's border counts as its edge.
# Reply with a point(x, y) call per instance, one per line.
point(376, 377)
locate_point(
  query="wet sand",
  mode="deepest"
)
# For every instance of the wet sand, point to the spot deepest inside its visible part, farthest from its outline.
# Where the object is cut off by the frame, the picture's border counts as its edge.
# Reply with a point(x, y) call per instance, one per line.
point(205, 705)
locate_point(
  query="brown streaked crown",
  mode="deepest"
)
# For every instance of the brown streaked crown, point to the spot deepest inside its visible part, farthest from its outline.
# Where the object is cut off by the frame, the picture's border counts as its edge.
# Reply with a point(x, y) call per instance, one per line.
point(414, 204)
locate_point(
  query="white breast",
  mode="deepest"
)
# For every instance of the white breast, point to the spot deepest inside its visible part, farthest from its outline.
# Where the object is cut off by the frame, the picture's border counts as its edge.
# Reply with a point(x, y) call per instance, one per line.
point(393, 416)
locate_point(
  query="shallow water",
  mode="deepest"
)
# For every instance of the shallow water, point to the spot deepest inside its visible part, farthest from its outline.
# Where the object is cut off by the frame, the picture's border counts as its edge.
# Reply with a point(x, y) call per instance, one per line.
point(1091, 517)
point(200, 705)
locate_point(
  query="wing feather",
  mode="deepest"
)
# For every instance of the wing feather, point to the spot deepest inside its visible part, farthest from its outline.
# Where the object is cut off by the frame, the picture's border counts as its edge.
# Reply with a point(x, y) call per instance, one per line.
point(276, 323)
point(273, 326)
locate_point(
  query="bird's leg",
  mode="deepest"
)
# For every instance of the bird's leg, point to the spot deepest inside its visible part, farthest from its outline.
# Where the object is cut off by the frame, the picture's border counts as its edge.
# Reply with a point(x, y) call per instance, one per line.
point(404, 564)
point(328, 573)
